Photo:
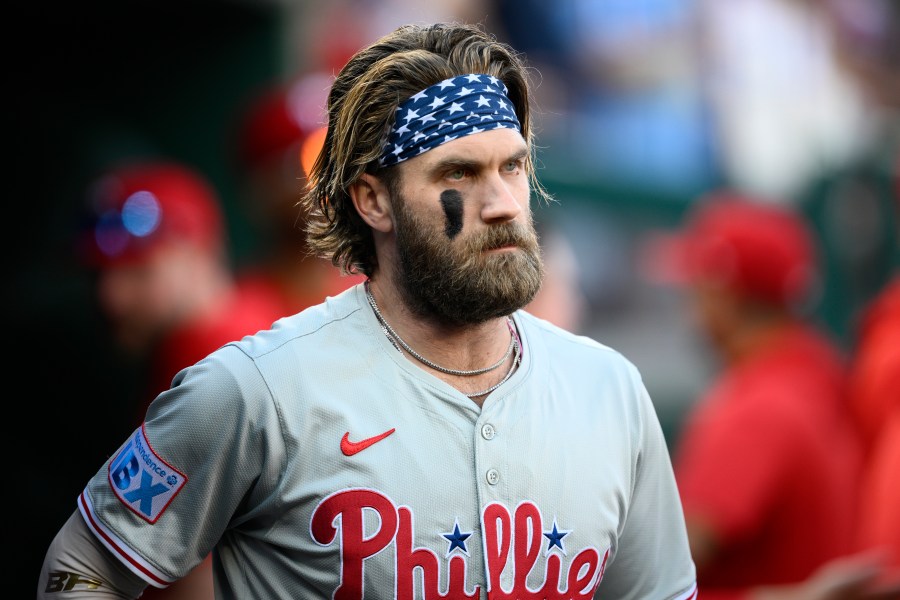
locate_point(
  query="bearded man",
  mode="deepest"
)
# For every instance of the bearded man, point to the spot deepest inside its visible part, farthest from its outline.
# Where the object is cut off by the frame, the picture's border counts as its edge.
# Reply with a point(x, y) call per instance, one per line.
point(419, 435)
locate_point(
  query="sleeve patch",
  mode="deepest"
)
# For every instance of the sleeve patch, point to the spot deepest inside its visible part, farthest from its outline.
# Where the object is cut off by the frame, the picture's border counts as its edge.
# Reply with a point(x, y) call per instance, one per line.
point(143, 481)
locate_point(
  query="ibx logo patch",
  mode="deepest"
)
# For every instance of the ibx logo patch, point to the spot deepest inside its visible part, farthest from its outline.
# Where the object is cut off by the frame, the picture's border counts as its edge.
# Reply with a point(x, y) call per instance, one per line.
point(142, 480)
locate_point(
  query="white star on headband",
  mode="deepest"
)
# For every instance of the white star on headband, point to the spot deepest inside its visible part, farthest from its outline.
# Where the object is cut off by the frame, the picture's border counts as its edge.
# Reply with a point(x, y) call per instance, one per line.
point(478, 103)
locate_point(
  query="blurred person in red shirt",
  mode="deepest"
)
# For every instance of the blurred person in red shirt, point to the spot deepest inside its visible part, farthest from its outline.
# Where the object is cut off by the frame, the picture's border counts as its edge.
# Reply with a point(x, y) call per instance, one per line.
point(875, 399)
point(158, 248)
point(767, 461)
point(278, 137)
point(157, 245)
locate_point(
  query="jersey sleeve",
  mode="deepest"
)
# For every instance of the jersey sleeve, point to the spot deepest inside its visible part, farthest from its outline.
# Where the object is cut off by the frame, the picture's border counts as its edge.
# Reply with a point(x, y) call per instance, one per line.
point(209, 450)
point(78, 566)
point(652, 556)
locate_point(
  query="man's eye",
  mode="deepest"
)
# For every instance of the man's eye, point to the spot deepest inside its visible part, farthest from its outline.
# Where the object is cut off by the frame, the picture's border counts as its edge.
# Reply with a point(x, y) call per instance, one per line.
point(513, 166)
point(456, 174)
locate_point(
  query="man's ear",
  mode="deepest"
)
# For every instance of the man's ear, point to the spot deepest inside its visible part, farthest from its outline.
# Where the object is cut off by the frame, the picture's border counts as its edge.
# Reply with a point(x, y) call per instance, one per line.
point(373, 202)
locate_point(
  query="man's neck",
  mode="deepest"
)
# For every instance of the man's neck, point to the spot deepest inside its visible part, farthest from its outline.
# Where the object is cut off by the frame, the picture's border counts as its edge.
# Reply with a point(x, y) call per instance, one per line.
point(454, 347)
point(755, 335)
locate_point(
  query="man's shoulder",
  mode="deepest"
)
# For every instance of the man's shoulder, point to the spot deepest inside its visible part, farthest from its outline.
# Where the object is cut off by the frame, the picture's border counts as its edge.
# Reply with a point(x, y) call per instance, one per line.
point(312, 325)
point(565, 346)
point(557, 335)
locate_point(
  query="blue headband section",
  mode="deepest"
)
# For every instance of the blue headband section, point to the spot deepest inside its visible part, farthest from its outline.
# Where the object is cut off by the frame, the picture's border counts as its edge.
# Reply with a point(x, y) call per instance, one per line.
point(448, 110)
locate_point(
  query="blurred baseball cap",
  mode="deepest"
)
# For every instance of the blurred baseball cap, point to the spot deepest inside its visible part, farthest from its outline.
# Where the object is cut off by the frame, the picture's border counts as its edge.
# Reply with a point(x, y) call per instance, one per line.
point(134, 207)
point(282, 117)
point(754, 246)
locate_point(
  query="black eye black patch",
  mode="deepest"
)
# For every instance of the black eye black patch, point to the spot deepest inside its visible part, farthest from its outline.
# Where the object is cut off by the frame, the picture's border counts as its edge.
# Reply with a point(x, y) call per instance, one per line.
point(452, 201)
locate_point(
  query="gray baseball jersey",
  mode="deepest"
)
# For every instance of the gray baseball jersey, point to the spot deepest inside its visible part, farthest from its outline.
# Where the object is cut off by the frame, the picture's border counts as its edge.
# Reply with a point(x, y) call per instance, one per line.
point(316, 461)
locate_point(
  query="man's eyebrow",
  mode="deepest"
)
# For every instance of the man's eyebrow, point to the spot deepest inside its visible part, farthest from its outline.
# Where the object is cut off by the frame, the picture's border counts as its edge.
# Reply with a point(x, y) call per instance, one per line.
point(520, 155)
point(454, 162)
point(460, 162)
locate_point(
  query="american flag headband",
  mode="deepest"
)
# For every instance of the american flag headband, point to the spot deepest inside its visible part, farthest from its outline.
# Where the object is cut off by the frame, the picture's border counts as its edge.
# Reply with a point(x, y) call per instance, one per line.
point(455, 107)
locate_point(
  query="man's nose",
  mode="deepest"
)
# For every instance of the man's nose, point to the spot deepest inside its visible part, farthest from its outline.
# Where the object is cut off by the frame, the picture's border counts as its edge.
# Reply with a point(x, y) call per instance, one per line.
point(502, 201)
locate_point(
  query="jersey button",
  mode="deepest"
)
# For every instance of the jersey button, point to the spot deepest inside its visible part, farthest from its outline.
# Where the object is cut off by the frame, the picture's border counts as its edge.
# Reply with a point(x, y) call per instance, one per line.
point(488, 431)
point(493, 476)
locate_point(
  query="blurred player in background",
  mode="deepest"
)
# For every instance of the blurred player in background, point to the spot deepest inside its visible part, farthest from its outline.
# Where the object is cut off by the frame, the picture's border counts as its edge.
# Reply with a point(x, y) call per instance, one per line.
point(875, 398)
point(767, 463)
point(277, 139)
point(158, 247)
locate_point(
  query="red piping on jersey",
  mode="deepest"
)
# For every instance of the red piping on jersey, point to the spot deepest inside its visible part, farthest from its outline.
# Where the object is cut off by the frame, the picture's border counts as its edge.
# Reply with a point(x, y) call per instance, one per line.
point(112, 543)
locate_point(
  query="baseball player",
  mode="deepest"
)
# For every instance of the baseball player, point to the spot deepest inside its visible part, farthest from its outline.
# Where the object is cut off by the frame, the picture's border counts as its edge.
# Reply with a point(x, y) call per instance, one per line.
point(419, 435)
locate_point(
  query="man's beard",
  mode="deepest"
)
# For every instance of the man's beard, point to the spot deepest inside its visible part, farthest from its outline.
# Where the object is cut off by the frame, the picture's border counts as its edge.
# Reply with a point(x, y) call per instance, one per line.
point(460, 284)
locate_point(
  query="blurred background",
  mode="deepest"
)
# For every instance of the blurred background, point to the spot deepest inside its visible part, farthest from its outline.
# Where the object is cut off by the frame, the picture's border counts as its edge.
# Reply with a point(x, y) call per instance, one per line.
point(643, 106)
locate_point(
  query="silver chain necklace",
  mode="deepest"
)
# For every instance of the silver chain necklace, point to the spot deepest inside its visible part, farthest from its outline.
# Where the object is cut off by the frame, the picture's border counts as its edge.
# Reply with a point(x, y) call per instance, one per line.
point(396, 339)
point(509, 373)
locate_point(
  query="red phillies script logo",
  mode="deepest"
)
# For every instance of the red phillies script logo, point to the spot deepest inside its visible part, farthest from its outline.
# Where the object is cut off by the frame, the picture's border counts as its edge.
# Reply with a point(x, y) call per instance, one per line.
point(513, 540)
point(350, 448)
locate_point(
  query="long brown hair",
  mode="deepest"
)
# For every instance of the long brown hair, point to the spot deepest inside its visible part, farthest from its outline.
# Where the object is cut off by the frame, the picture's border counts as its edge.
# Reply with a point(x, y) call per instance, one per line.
point(361, 108)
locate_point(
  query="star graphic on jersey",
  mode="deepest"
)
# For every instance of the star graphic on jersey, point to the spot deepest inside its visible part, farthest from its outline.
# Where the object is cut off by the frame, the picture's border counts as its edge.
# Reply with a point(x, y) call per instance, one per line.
point(457, 539)
point(555, 536)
